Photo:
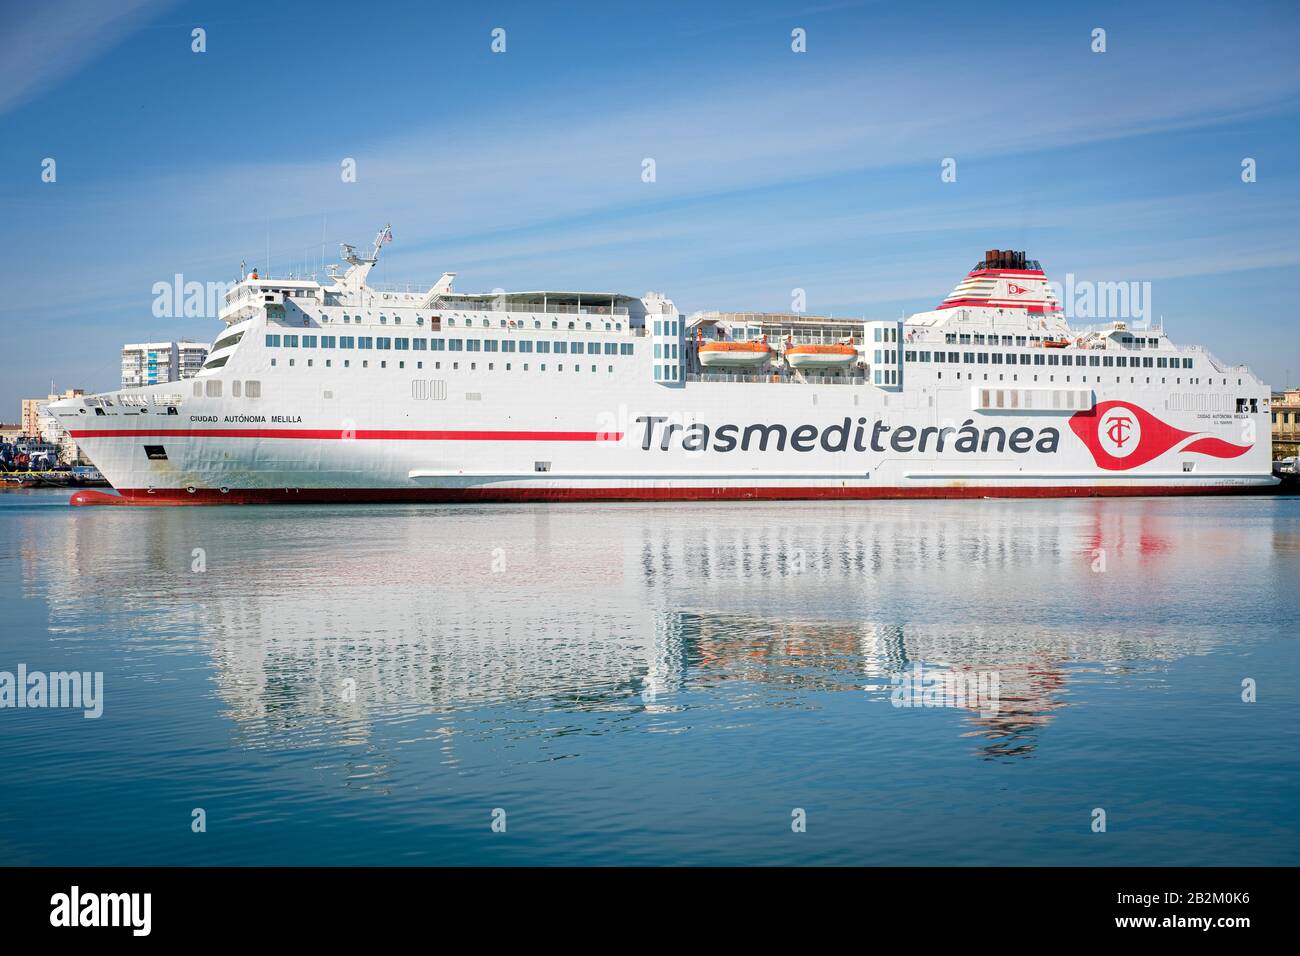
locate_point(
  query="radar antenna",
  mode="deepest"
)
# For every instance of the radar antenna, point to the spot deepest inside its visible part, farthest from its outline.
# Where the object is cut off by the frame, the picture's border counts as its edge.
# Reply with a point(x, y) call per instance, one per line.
point(350, 252)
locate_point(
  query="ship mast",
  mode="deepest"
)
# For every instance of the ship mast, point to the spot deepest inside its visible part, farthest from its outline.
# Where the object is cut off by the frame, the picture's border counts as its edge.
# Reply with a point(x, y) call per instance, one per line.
point(359, 266)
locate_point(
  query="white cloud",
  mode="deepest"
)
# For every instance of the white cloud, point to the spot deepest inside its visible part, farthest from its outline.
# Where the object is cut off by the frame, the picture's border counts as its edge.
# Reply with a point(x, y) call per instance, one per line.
point(43, 43)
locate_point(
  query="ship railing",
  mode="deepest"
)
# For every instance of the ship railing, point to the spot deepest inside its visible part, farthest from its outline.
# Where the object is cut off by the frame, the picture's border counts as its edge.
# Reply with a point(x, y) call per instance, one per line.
point(538, 308)
point(1210, 357)
point(140, 400)
point(777, 378)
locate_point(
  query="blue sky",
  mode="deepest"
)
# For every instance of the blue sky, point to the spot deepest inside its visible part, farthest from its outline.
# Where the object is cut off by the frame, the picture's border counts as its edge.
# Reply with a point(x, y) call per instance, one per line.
point(774, 170)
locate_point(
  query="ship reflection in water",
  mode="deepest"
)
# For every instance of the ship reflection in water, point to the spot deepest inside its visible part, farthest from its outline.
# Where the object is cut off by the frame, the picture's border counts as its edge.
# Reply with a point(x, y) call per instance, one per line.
point(315, 639)
point(402, 647)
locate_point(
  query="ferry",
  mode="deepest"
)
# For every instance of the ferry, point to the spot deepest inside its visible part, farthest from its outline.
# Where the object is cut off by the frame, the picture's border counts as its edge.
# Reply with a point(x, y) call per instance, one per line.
point(343, 391)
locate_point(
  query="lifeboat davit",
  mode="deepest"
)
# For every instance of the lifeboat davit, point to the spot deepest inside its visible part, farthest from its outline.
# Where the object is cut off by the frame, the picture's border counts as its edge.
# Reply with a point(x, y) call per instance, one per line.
point(733, 354)
point(821, 356)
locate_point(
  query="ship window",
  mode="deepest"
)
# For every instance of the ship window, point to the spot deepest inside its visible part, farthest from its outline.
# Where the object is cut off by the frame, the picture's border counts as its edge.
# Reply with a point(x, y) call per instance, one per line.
point(472, 345)
point(525, 345)
point(625, 348)
point(213, 387)
point(593, 348)
point(309, 341)
point(365, 342)
point(327, 341)
point(198, 390)
point(291, 341)
point(508, 345)
point(347, 342)
point(228, 340)
point(234, 388)
point(456, 345)
point(383, 342)
point(490, 345)
point(545, 346)
point(272, 341)
point(155, 452)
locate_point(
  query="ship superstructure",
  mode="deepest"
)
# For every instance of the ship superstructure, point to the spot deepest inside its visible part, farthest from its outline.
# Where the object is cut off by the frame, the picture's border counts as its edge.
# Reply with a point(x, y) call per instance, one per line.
point(343, 391)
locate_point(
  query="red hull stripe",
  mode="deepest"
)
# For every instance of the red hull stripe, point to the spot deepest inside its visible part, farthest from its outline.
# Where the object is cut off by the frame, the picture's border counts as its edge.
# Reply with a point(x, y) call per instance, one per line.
point(337, 434)
point(210, 496)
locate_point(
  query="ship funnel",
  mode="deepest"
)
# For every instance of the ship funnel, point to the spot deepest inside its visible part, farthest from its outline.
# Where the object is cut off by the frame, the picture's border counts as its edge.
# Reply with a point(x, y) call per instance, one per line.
point(1004, 259)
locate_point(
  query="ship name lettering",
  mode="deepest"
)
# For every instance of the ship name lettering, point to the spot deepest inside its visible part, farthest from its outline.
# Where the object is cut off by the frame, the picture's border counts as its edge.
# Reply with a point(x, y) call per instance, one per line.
point(859, 436)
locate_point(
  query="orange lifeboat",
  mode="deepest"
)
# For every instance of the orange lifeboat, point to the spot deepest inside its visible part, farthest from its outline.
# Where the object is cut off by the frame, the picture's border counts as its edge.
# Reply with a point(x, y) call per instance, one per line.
point(821, 356)
point(733, 354)
point(1055, 343)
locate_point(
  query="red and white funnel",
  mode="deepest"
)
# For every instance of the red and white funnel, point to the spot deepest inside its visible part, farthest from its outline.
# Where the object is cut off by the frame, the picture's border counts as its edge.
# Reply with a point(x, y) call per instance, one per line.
point(1004, 280)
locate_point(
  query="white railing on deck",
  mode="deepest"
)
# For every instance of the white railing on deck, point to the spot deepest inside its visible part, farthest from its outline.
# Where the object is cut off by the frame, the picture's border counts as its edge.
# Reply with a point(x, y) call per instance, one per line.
point(777, 378)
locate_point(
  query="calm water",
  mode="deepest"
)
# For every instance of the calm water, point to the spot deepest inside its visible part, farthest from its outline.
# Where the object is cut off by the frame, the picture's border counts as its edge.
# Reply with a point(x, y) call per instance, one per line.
point(655, 684)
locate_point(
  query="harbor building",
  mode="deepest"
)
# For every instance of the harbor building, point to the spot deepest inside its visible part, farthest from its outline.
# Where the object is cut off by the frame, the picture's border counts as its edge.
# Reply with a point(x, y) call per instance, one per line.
point(38, 423)
point(153, 363)
point(1286, 423)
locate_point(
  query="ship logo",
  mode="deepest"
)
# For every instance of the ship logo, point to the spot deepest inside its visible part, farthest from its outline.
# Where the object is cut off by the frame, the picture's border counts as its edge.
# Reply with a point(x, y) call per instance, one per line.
point(1123, 436)
point(1014, 289)
point(1119, 433)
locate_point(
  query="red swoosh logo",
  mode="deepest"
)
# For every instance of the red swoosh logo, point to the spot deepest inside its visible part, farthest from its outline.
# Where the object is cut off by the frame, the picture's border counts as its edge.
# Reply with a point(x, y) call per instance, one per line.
point(1123, 436)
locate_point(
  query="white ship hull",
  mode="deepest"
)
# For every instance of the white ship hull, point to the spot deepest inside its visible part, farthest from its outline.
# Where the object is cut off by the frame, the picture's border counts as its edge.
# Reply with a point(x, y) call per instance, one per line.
point(503, 425)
